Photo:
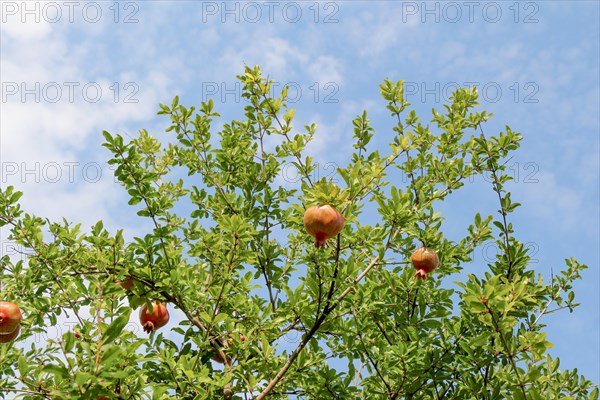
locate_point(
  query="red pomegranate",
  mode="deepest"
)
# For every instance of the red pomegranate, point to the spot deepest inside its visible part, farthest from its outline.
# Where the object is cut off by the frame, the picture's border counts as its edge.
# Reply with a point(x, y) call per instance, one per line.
point(155, 320)
point(126, 284)
point(10, 317)
point(323, 222)
point(9, 337)
point(424, 260)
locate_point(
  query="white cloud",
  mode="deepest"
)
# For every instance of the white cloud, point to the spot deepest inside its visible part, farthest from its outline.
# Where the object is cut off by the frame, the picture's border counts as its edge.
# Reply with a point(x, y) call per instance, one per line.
point(375, 31)
point(22, 26)
point(326, 69)
point(276, 56)
point(552, 201)
point(54, 114)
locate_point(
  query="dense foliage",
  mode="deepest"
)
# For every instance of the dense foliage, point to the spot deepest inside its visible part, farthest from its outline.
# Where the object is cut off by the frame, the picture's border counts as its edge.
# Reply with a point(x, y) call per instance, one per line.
point(228, 253)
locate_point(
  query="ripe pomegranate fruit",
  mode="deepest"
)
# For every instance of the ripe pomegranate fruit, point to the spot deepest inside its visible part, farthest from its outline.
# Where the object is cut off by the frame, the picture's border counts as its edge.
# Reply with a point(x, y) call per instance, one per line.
point(424, 260)
point(323, 222)
point(9, 337)
point(155, 320)
point(126, 284)
point(10, 317)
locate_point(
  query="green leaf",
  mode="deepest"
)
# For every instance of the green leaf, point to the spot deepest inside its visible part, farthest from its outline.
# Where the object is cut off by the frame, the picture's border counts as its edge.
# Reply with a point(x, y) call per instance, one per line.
point(117, 325)
point(59, 371)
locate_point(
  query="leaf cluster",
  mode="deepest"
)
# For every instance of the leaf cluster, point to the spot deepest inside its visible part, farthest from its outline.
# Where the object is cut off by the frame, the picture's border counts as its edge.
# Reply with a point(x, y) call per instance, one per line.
point(227, 251)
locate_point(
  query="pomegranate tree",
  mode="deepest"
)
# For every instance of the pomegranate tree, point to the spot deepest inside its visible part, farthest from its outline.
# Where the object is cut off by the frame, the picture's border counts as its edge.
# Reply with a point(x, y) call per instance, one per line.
point(154, 320)
point(323, 222)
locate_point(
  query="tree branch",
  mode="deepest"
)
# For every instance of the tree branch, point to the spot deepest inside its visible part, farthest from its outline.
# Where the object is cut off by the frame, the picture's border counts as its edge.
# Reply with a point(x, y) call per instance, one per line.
point(311, 333)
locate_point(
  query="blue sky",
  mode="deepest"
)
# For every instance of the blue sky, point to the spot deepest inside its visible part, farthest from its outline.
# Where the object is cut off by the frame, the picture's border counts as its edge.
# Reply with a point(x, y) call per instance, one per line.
point(70, 70)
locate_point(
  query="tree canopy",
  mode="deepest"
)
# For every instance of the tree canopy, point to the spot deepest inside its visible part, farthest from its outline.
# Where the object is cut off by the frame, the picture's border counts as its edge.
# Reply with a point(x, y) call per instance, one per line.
point(261, 312)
